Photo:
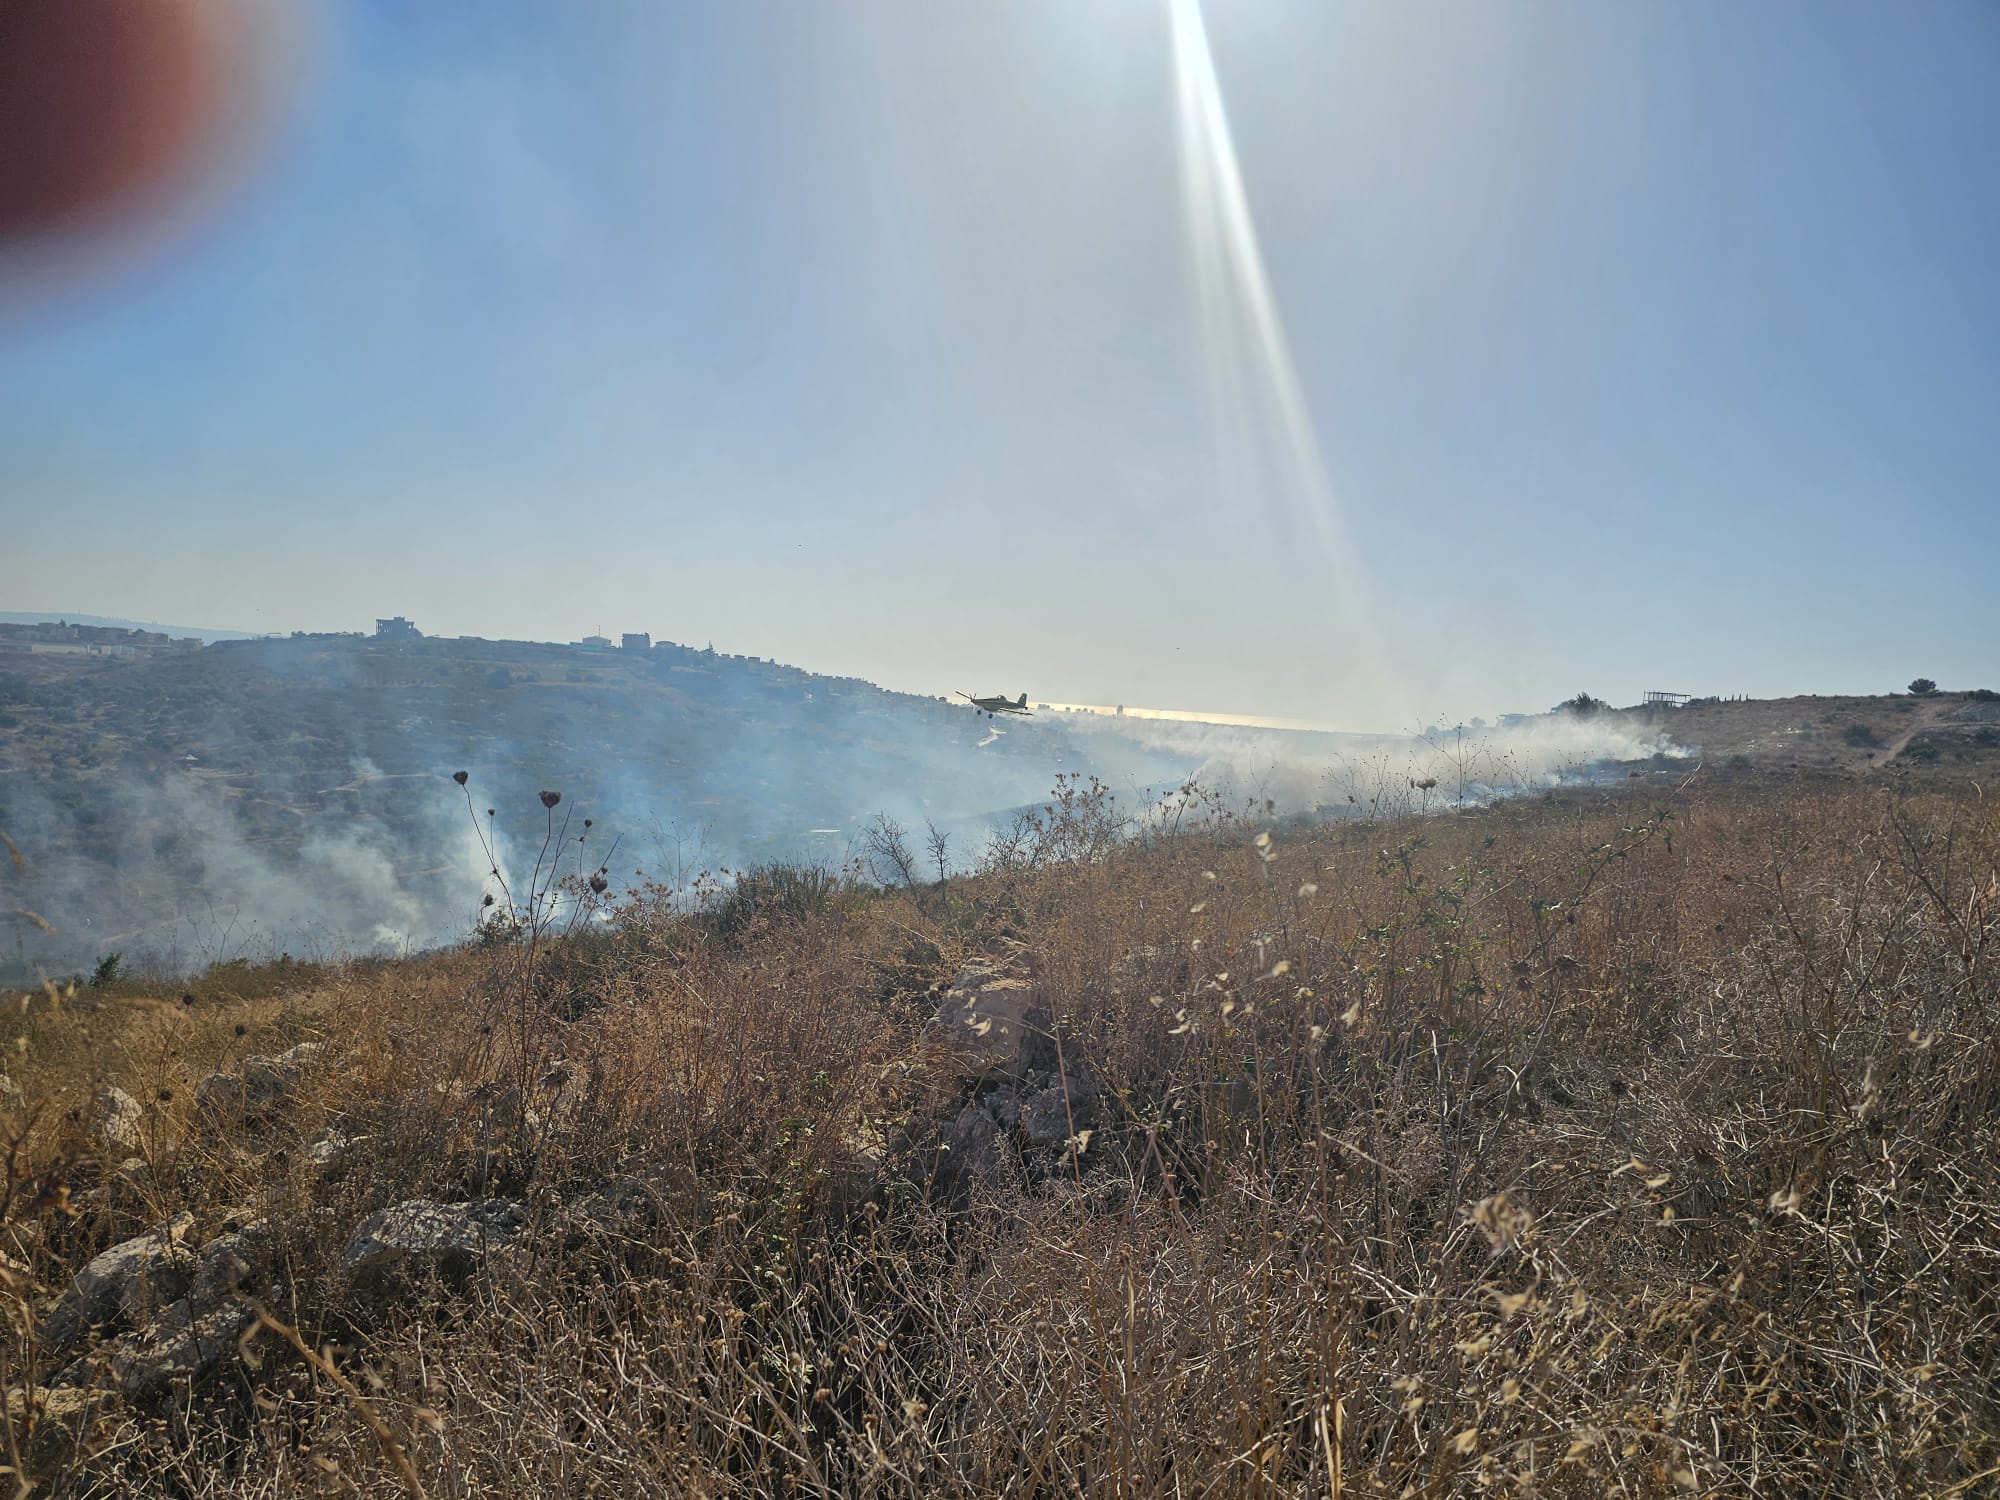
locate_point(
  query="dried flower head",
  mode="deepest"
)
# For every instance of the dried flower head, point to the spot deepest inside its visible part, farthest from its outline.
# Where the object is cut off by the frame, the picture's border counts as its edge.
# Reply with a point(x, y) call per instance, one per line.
point(460, 777)
point(550, 799)
point(1504, 1222)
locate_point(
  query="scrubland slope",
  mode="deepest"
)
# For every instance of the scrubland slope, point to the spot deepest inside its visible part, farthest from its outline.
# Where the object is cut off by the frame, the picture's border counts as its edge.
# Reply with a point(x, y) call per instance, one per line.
point(1635, 1142)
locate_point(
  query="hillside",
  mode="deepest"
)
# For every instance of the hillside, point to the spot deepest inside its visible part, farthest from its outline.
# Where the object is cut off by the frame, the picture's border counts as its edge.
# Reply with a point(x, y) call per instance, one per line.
point(1632, 1139)
point(1838, 733)
point(296, 791)
point(119, 622)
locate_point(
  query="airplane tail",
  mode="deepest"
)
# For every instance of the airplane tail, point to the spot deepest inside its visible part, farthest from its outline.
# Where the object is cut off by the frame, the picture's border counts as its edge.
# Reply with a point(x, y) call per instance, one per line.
point(1024, 701)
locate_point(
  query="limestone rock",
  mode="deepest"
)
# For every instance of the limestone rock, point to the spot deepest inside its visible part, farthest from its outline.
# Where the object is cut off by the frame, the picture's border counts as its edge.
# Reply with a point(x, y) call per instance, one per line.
point(220, 1094)
point(990, 1021)
point(187, 1341)
point(117, 1120)
point(446, 1235)
point(197, 1325)
point(260, 1086)
point(332, 1154)
point(272, 1079)
point(238, 1260)
point(972, 1149)
point(132, 1279)
point(54, 1421)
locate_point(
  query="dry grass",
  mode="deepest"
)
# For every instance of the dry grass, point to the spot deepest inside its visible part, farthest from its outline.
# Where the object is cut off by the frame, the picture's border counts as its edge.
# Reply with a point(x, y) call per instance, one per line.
point(1584, 1145)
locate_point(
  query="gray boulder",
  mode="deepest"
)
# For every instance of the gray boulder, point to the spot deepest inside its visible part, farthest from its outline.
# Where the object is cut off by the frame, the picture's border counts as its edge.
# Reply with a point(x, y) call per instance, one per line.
point(220, 1094)
point(117, 1121)
point(991, 1021)
point(972, 1148)
point(200, 1329)
point(132, 1279)
point(187, 1342)
point(443, 1235)
point(332, 1154)
point(1046, 1120)
point(260, 1086)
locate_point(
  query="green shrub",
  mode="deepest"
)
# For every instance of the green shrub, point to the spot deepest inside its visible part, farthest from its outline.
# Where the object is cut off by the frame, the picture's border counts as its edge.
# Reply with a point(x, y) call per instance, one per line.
point(1863, 735)
point(783, 891)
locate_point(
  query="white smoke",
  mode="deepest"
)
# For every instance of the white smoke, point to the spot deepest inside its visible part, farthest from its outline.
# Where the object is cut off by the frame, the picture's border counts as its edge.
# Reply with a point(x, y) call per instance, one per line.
point(1299, 771)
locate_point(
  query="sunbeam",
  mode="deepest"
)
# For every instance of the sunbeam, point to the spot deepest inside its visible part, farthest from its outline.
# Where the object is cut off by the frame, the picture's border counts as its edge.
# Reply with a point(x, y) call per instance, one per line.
point(1267, 456)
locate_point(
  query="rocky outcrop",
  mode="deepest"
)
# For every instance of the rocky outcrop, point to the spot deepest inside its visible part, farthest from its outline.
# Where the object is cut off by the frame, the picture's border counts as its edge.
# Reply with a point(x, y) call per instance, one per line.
point(173, 1313)
point(991, 1018)
point(1050, 1116)
point(130, 1280)
point(186, 1344)
point(971, 1148)
point(53, 1421)
point(446, 1236)
point(1023, 1127)
point(260, 1086)
point(200, 1329)
point(332, 1154)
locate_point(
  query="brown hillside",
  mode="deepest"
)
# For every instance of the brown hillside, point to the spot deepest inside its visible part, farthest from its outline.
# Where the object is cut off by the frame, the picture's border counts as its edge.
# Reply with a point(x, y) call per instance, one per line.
point(1838, 733)
point(1615, 1141)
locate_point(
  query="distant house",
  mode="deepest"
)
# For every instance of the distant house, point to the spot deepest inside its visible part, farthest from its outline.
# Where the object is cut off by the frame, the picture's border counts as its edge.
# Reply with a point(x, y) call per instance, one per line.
point(636, 640)
point(60, 638)
point(397, 629)
point(595, 643)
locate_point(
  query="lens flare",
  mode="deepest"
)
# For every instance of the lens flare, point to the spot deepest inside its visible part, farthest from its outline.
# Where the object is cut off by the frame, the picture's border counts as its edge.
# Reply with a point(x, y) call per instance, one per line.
point(1267, 455)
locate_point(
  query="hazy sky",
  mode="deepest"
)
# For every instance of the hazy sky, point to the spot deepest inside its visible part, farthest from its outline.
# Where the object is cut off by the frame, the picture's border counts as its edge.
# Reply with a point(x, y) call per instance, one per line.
point(1647, 345)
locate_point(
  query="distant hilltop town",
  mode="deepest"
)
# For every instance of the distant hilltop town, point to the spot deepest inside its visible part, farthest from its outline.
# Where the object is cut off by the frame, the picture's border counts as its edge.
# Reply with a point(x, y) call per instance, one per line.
point(60, 638)
point(521, 661)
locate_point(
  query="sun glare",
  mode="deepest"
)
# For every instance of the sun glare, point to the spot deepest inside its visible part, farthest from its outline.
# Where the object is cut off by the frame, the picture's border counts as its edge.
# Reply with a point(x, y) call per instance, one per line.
point(1268, 457)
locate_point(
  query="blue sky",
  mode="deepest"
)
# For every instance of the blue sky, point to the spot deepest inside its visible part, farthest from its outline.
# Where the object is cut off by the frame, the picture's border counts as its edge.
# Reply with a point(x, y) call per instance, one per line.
point(1647, 345)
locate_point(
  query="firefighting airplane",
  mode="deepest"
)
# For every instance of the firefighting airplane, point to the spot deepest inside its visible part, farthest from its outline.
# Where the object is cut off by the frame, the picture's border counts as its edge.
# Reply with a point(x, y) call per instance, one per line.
point(997, 705)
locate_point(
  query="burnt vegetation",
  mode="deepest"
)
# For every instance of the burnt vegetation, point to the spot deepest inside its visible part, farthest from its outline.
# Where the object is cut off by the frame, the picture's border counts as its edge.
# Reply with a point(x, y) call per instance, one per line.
point(1610, 1142)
